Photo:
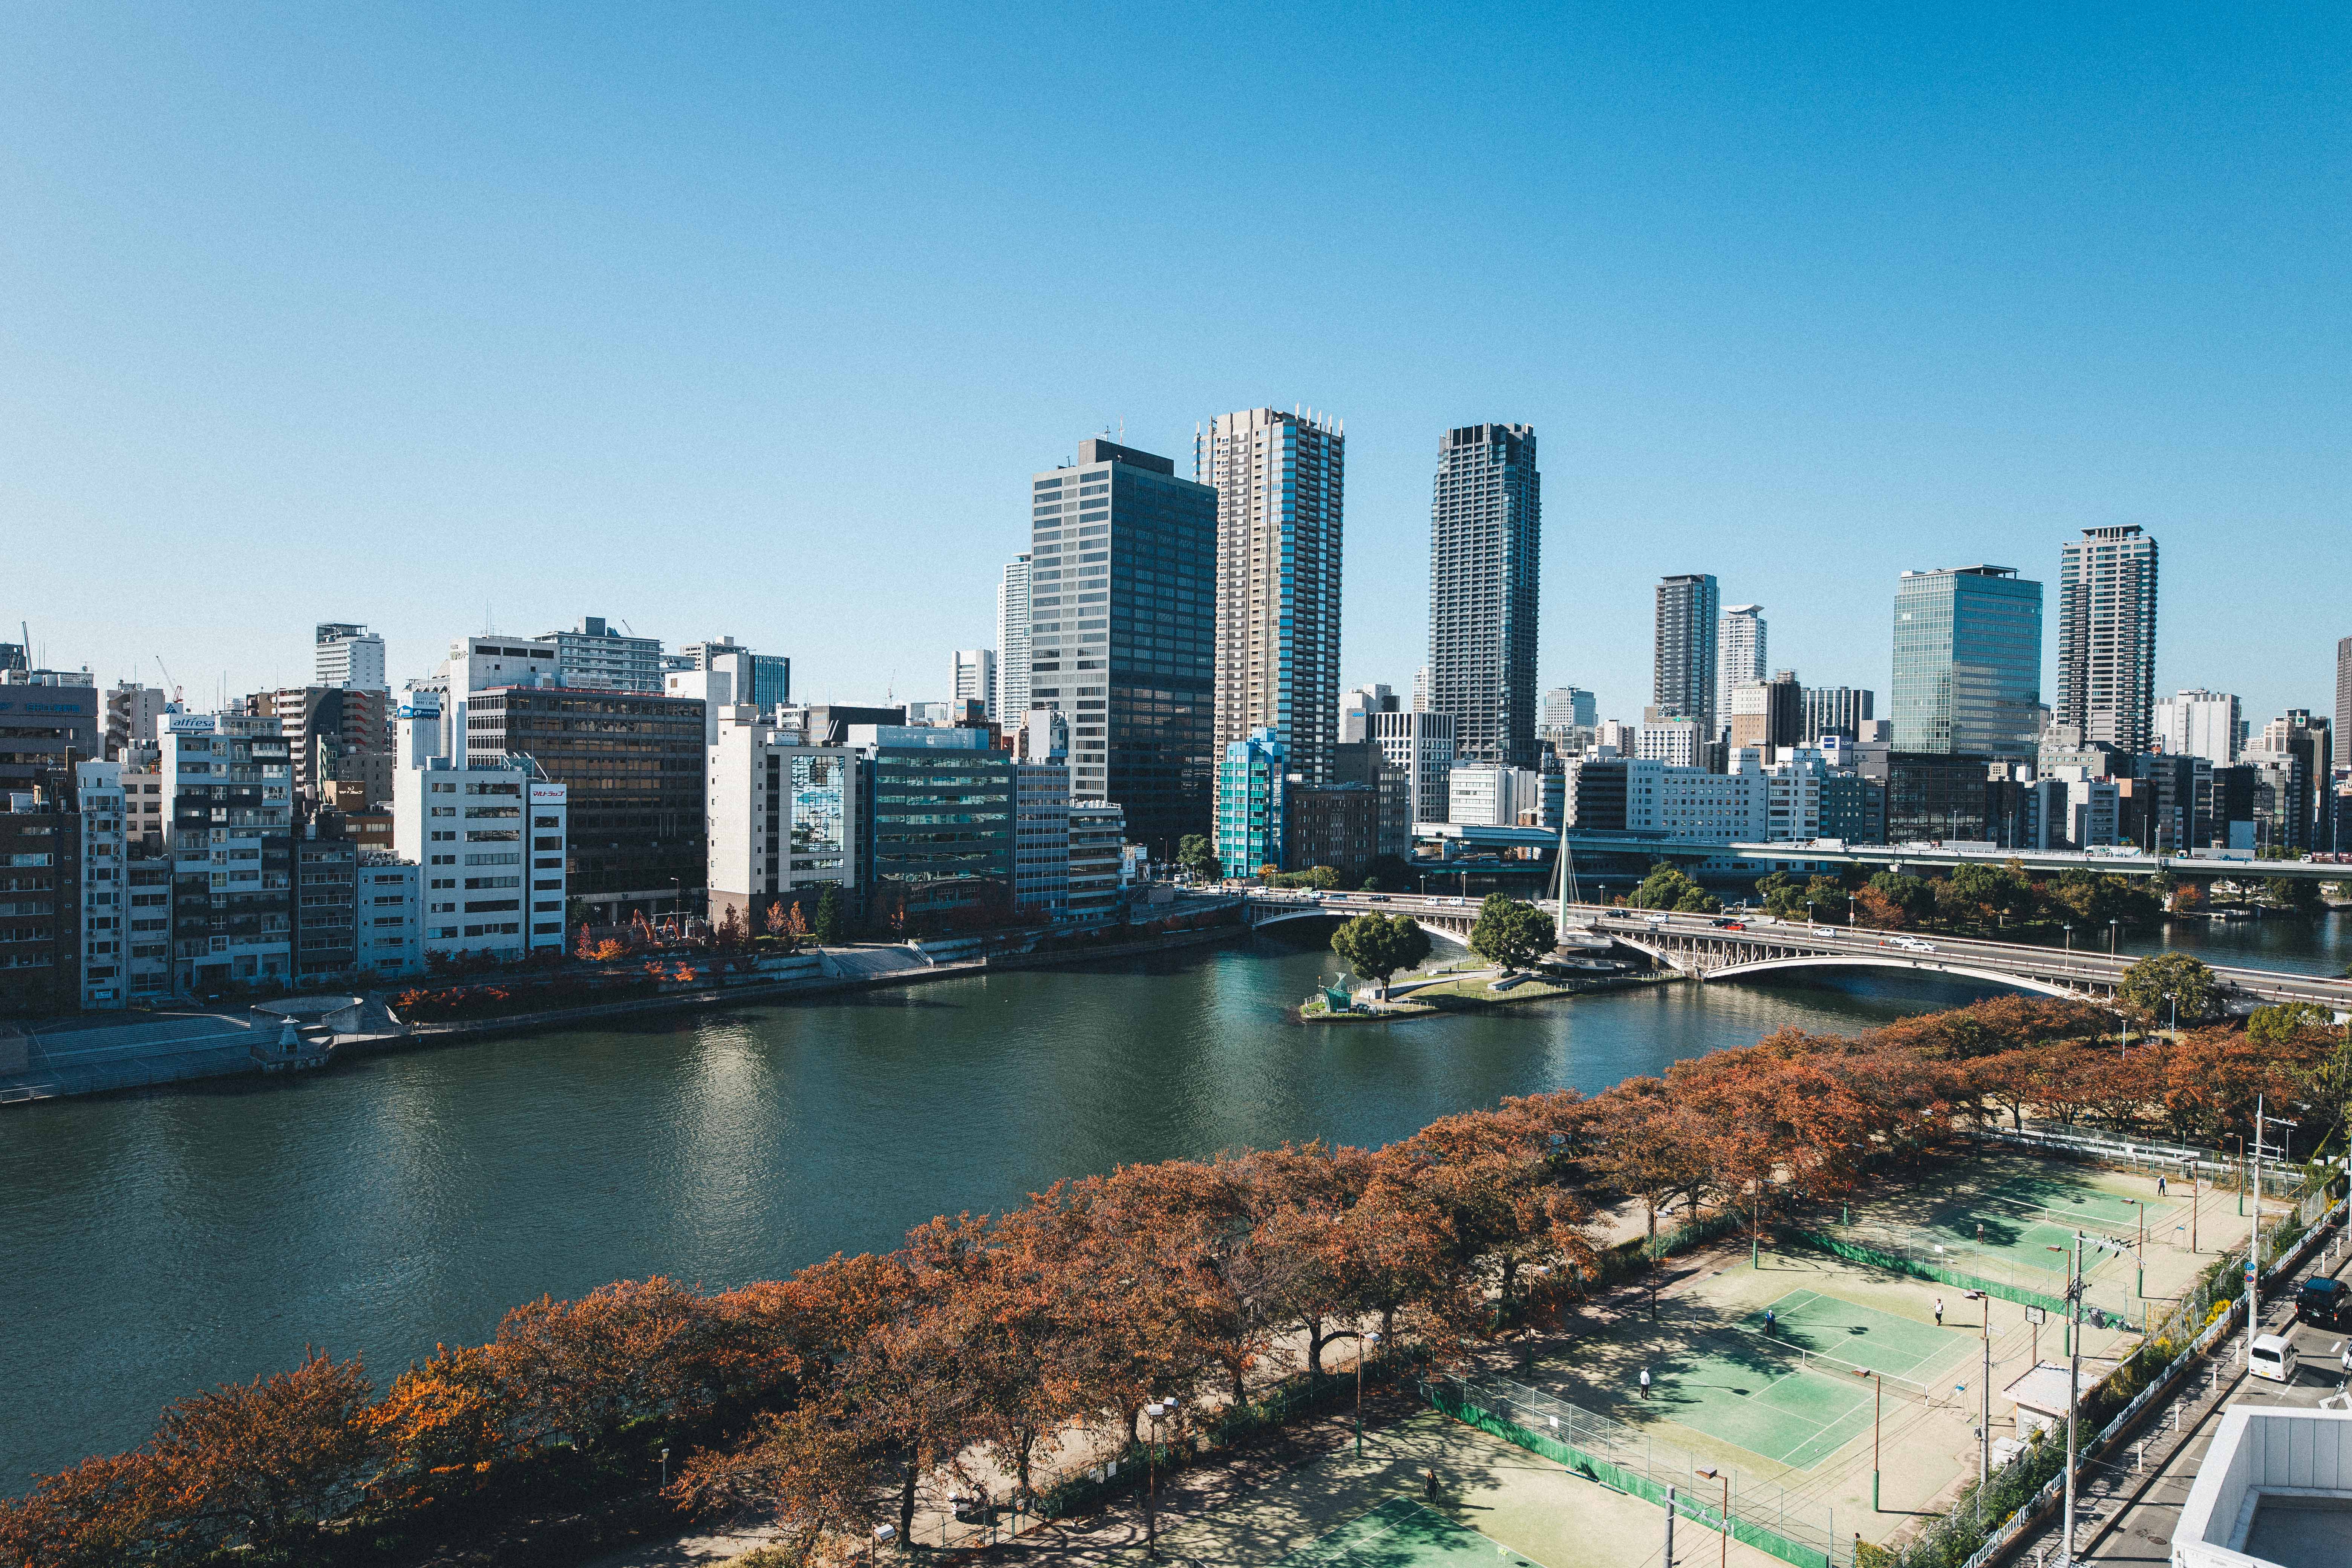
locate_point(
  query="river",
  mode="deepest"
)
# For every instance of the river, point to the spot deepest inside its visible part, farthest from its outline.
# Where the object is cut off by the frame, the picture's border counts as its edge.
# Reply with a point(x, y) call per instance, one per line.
point(156, 1244)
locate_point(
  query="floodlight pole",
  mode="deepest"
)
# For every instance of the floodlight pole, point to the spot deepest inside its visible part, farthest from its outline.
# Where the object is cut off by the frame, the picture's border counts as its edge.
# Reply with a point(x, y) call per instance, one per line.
point(1670, 1527)
point(2073, 1380)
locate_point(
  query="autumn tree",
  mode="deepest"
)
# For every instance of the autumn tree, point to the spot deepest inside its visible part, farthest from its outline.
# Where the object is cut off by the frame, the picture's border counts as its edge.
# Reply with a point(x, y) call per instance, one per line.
point(265, 1465)
point(777, 922)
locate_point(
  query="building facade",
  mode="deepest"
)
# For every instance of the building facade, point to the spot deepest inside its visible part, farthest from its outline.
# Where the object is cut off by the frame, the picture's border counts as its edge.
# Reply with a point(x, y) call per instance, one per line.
point(335, 734)
point(346, 654)
point(40, 902)
point(973, 679)
point(489, 841)
point(596, 657)
point(1122, 577)
point(1740, 654)
point(326, 900)
point(632, 765)
point(1420, 746)
point(48, 722)
point(106, 848)
point(1363, 763)
point(936, 820)
point(1486, 528)
point(2200, 723)
point(783, 819)
point(1967, 662)
point(1488, 794)
point(1685, 666)
point(388, 914)
point(1570, 713)
point(1041, 838)
point(1097, 835)
point(1250, 800)
point(228, 779)
point(1358, 709)
point(1334, 824)
point(1013, 637)
point(2106, 632)
point(1279, 499)
point(131, 711)
point(1837, 710)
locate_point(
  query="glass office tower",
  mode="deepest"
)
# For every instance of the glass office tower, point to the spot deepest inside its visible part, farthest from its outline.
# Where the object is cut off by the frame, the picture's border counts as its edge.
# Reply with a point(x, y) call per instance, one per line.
point(1967, 662)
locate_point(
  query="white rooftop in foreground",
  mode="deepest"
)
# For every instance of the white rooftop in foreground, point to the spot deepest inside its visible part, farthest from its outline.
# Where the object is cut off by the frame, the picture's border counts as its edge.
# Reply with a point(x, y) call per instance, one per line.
point(2275, 1491)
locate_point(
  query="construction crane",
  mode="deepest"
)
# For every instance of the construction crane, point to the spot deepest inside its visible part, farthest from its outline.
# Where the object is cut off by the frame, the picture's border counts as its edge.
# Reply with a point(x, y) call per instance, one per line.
point(167, 678)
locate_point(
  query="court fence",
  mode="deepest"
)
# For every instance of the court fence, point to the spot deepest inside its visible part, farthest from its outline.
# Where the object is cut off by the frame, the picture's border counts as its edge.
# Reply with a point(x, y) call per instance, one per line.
point(1907, 1251)
point(1625, 1458)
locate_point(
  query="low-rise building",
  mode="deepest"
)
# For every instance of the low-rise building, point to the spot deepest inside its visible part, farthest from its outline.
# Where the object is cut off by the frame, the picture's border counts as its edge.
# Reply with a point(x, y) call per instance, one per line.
point(326, 930)
point(489, 840)
point(48, 721)
point(1097, 845)
point(1250, 789)
point(40, 902)
point(1363, 763)
point(389, 912)
point(1490, 794)
point(227, 779)
point(1336, 824)
point(936, 821)
point(1041, 836)
point(783, 818)
point(105, 885)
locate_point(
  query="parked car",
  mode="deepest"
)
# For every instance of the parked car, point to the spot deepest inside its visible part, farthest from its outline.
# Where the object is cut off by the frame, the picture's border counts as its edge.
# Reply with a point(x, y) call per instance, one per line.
point(2273, 1357)
point(2323, 1301)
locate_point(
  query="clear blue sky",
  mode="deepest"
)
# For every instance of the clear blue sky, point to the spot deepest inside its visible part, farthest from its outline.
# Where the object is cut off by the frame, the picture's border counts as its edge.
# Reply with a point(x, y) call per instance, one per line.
point(755, 320)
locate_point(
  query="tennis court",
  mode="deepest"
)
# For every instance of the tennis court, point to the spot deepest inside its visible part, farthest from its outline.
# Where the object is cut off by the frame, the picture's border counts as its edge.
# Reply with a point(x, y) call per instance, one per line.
point(1796, 1395)
point(2025, 1216)
point(1401, 1534)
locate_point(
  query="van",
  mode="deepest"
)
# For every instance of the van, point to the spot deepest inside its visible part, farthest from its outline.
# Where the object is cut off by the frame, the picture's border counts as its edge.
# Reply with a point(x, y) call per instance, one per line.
point(2324, 1302)
point(2272, 1358)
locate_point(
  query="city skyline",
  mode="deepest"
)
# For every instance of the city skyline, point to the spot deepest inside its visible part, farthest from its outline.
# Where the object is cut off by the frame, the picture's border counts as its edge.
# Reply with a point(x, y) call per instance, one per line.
point(480, 334)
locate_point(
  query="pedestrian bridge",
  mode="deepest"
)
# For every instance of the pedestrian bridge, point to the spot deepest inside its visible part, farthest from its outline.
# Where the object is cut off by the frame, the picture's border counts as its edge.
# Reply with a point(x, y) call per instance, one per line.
point(1709, 947)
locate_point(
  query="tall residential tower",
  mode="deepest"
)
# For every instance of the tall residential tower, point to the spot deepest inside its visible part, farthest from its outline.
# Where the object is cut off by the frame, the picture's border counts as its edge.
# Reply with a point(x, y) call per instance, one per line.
point(2107, 637)
point(1012, 641)
point(1740, 654)
point(1278, 479)
point(1684, 684)
point(1485, 523)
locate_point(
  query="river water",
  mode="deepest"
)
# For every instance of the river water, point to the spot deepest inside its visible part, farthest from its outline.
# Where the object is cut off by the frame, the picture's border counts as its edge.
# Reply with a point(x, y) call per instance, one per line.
point(152, 1245)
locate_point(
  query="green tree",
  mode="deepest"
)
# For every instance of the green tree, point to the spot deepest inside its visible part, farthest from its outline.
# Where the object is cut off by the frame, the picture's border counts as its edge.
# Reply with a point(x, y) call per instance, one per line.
point(1783, 895)
point(1511, 933)
point(1667, 888)
point(830, 925)
point(1394, 872)
point(1198, 856)
point(2186, 981)
point(1377, 946)
point(2300, 894)
point(2277, 1025)
point(1914, 896)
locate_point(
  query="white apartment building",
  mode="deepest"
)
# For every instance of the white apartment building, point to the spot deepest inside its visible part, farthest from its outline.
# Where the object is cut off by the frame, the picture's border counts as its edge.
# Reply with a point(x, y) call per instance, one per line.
point(348, 654)
point(227, 779)
point(1673, 741)
point(1041, 833)
point(388, 914)
point(1739, 657)
point(1012, 639)
point(105, 885)
point(2200, 724)
point(488, 839)
point(596, 657)
point(475, 664)
point(1486, 794)
point(781, 817)
point(1420, 745)
point(1097, 845)
point(973, 678)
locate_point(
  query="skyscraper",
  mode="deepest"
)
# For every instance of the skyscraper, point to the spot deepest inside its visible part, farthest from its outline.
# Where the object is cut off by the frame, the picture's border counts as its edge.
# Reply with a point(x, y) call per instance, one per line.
point(2107, 637)
point(1012, 641)
point(1122, 563)
point(1684, 685)
point(2344, 688)
point(348, 655)
point(1967, 662)
point(973, 679)
point(1837, 710)
point(1486, 523)
point(1741, 654)
point(1278, 493)
point(1566, 710)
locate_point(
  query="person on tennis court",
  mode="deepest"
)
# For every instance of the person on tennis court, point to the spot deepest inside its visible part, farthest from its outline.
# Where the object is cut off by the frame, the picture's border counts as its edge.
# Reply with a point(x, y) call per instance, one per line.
point(1646, 1383)
point(1939, 1311)
point(1768, 1322)
point(2159, 1187)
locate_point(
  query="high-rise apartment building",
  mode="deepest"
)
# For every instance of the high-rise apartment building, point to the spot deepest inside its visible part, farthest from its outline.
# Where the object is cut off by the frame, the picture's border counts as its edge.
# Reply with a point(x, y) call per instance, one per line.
point(2200, 723)
point(1740, 654)
point(2344, 686)
point(1967, 662)
point(1421, 689)
point(1768, 714)
point(1486, 526)
point(593, 657)
point(1277, 479)
point(1013, 640)
point(348, 654)
point(1684, 684)
point(2107, 637)
point(972, 678)
point(1250, 800)
point(1122, 571)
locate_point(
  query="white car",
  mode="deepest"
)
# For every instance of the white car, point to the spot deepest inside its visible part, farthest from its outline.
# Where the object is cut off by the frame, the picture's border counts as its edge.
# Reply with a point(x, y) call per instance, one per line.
point(2273, 1357)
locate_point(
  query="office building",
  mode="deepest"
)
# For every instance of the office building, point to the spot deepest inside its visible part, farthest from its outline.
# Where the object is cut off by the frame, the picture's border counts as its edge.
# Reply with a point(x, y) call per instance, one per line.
point(1677, 743)
point(390, 914)
point(48, 722)
point(633, 764)
point(1420, 746)
point(348, 655)
point(325, 896)
point(1488, 794)
point(2200, 723)
point(829, 723)
point(593, 657)
point(1684, 654)
point(1853, 809)
point(335, 734)
point(2107, 637)
point(40, 900)
point(1768, 714)
point(1569, 713)
point(1013, 638)
point(1122, 632)
point(783, 819)
point(1740, 654)
point(131, 711)
point(1967, 662)
point(936, 824)
point(1098, 841)
point(2308, 739)
point(488, 838)
point(227, 779)
point(1837, 710)
point(1357, 711)
point(1363, 763)
point(762, 680)
point(1621, 794)
point(973, 679)
point(1250, 791)
point(1041, 836)
point(445, 696)
point(1931, 796)
point(1334, 824)
point(1486, 526)
point(1278, 483)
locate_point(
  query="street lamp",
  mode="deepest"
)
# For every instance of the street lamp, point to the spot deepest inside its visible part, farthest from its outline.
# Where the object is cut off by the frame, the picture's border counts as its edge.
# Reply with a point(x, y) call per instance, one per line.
point(1809, 913)
point(665, 1464)
point(1159, 1410)
point(1363, 1348)
point(1725, 1517)
point(2174, 998)
point(2112, 926)
point(2070, 945)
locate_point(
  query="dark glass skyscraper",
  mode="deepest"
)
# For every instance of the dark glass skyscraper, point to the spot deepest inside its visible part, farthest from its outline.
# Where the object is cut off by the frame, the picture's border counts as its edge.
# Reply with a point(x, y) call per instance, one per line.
point(1122, 632)
point(1486, 523)
point(1967, 662)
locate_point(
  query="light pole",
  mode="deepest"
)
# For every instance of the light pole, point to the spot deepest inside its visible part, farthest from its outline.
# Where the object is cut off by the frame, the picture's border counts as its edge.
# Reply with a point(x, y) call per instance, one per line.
point(1877, 1405)
point(2074, 1381)
point(1809, 914)
point(1157, 1410)
point(2173, 997)
point(2123, 1041)
point(2070, 947)
point(1725, 1517)
point(1363, 1348)
point(2190, 1162)
point(665, 1464)
point(2112, 927)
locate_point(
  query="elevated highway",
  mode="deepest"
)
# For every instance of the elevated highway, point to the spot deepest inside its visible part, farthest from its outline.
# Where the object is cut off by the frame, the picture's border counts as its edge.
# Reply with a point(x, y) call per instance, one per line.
point(1709, 947)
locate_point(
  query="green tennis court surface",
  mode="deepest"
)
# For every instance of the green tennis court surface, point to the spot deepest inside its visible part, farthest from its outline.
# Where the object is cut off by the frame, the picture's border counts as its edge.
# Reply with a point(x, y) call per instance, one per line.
point(1792, 1396)
point(1401, 1534)
point(2027, 1215)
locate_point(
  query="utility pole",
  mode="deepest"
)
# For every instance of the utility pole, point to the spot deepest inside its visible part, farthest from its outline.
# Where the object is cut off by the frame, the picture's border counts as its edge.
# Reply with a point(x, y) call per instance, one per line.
point(1670, 1527)
point(2074, 1381)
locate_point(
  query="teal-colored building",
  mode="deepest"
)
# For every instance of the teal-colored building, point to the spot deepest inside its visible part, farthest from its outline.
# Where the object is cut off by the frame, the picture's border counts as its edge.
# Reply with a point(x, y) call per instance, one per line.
point(1249, 804)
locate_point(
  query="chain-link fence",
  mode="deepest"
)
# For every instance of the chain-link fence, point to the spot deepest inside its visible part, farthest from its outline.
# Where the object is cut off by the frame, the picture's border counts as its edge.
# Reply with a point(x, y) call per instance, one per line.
point(1629, 1460)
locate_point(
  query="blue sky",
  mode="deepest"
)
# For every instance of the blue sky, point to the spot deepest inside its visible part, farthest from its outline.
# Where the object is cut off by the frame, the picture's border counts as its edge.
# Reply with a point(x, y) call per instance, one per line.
point(755, 320)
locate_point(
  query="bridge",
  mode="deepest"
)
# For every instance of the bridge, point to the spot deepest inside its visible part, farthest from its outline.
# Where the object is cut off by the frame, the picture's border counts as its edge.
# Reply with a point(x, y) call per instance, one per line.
point(1717, 947)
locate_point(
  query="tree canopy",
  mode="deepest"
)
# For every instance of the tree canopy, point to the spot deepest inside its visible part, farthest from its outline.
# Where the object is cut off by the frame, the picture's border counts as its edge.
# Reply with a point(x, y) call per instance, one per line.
point(1376, 946)
point(2185, 980)
point(1198, 856)
point(1668, 887)
point(1511, 933)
